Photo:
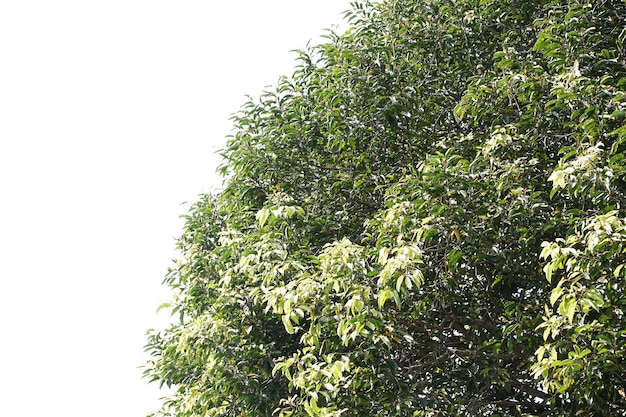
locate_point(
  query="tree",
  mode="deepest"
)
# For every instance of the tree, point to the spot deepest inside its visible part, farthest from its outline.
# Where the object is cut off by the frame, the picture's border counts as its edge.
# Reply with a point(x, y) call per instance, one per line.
point(424, 219)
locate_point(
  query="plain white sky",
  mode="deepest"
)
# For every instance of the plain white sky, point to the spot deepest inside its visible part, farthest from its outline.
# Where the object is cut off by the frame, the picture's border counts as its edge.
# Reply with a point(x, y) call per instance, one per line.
point(110, 114)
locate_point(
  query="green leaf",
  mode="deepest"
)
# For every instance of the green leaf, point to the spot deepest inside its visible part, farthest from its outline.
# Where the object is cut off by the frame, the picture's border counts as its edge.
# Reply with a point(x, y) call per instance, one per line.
point(454, 256)
point(383, 296)
point(262, 216)
point(287, 323)
point(396, 298)
point(567, 308)
point(164, 305)
point(540, 353)
point(556, 294)
point(594, 299)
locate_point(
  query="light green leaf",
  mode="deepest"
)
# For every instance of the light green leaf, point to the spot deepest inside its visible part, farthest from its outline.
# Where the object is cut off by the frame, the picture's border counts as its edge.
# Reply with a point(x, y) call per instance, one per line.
point(567, 308)
point(556, 294)
point(287, 324)
point(540, 352)
point(262, 216)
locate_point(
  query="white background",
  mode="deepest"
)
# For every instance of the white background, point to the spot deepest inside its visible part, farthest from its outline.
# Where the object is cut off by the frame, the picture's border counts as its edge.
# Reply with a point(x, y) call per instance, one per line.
point(110, 114)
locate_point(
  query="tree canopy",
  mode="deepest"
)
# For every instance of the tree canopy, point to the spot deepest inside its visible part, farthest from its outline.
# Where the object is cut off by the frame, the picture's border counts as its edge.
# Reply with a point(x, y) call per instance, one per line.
point(424, 219)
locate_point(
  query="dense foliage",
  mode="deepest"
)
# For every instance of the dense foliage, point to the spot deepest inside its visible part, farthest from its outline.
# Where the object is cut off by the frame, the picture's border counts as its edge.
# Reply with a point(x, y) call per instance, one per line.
point(424, 220)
